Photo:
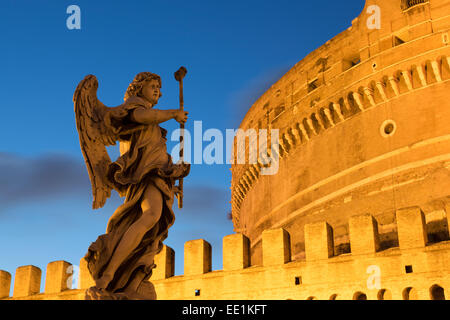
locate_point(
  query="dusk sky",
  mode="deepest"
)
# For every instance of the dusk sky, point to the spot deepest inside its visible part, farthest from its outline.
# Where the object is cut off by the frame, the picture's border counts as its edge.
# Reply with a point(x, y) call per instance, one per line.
point(233, 50)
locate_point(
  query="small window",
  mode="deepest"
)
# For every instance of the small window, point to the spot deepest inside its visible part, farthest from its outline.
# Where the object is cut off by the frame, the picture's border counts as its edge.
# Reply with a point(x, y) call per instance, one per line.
point(313, 85)
point(298, 281)
point(408, 269)
point(279, 110)
point(437, 292)
point(411, 3)
point(359, 296)
point(197, 292)
point(398, 41)
point(351, 62)
point(356, 62)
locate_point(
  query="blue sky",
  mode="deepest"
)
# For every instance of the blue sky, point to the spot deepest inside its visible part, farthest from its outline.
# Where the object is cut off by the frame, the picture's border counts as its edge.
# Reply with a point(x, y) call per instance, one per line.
point(233, 50)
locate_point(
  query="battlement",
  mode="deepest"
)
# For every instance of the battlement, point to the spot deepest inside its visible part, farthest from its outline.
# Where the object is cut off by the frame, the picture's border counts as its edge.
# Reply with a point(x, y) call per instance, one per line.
point(415, 269)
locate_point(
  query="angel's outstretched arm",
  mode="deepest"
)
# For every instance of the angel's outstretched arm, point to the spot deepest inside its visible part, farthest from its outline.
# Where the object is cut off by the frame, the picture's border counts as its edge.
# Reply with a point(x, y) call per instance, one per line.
point(155, 116)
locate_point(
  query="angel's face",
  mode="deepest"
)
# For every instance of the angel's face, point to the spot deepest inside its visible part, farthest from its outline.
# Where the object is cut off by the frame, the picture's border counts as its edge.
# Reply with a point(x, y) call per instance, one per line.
point(152, 91)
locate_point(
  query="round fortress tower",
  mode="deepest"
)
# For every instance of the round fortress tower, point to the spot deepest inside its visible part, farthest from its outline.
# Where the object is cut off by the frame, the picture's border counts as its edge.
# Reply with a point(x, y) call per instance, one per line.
point(364, 125)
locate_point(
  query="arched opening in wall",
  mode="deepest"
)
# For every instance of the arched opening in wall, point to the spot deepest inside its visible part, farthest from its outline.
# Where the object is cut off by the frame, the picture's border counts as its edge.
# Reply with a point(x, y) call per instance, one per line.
point(285, 144)
point(353, 106)
point(384, 294)
point(317, 127)
point(307, 128)
point(437, 292)
point(417, 80)
point(333, 297)
point(410, 293)
point(311, 298)
point(377, 94)
point(335, 112)
point(345, 109)
point(364, 98)
point(300, 133)
point(389, 86)
point(359, 296)
point(326, 122)
point(401, 77)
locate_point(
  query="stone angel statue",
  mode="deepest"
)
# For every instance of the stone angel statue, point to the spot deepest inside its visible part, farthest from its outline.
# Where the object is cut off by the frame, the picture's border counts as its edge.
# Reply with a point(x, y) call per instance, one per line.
point(121, 260)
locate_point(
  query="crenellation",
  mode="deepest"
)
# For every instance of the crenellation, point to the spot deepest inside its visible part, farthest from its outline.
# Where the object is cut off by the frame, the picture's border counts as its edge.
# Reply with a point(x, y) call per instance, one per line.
point(326, 118)
point(409, 273)
point(380, 93)
point(27, 281)
point(5, 284)
point(445, 67)
point(310, 126)
point(165, 264)
point(57, 276)
point(319, 242)
point(392, 89)
point(337, 109)
point(404, 81)
point(276, 247)
point(85, 280)
point(197, 257)
point(433, 72)
point(411, 228)
point(368, 98)
point(364, 237)
point(418, 77)
point(358, 100)
point(303, 131)
point(236, 252)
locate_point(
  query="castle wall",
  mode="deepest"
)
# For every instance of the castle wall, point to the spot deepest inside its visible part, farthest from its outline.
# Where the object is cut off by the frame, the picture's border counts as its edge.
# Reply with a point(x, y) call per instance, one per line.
point(410, 271)
point(363, 126)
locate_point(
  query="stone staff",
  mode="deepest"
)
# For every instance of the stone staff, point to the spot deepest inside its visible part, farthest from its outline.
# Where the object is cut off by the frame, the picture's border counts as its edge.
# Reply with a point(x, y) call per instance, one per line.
point(179, 75)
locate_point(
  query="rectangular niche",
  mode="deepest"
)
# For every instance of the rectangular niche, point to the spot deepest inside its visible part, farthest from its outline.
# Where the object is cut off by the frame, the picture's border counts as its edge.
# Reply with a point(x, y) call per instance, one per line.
point(351, 61)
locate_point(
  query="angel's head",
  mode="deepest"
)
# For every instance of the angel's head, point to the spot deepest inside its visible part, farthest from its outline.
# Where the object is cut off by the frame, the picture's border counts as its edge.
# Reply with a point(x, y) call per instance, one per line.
point(146, 85)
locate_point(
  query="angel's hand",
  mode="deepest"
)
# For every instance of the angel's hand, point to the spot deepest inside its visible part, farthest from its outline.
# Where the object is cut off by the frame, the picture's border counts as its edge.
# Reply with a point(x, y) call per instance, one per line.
point(177, 191)
point(181, 116)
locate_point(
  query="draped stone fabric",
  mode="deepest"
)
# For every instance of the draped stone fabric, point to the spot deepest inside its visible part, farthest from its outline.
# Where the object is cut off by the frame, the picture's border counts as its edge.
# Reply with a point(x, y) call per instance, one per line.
point(146, 162)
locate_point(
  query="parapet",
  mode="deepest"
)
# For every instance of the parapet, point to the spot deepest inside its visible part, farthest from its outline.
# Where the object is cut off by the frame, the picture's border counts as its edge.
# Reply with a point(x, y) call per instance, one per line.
point(404, 270)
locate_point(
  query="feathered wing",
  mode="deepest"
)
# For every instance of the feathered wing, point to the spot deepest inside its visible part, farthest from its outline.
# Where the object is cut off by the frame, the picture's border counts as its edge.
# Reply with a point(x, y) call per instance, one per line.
point(90, 115)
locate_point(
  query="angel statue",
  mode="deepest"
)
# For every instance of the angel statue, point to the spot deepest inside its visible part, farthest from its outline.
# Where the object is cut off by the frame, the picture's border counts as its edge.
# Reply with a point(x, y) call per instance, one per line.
point(121, 261)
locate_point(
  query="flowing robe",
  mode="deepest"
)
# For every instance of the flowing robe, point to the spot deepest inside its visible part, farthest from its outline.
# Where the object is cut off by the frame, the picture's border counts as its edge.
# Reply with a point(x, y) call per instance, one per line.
point(145, 162)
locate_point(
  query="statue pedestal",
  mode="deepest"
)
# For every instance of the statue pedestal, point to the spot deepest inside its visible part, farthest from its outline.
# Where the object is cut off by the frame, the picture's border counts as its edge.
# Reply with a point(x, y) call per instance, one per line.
point(146, 291)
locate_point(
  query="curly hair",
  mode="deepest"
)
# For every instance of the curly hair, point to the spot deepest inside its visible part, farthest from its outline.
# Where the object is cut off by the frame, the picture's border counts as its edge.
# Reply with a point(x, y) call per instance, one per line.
point(135, 87)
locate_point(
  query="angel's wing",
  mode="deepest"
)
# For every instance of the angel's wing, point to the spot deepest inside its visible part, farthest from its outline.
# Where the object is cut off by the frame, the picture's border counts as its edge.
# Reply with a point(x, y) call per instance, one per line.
point(94, 135)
